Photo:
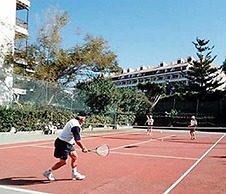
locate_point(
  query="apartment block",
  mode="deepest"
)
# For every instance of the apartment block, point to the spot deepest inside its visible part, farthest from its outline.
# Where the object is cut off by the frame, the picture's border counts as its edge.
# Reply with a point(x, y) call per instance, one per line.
point(162, 73)
point(13, 32)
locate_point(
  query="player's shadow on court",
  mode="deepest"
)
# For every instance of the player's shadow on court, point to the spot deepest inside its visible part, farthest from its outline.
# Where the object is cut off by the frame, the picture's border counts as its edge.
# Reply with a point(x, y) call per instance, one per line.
point(218, 156)
point(26, 181)
point(22, 181)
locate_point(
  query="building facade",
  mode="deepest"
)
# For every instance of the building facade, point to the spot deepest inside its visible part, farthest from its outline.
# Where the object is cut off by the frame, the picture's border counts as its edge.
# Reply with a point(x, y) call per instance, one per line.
point(160, 74)
point(13, 32)
point(163, 73)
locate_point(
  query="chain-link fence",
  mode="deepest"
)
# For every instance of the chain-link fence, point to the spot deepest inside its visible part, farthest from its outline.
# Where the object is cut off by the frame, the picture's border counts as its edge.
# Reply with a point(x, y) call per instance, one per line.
point(41, 93)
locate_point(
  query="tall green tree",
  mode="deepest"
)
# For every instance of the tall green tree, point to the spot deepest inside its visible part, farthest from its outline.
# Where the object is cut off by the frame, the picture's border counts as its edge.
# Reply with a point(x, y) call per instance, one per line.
point(133, 101)
point(41, 54)
point(85, 60)
point(153, 91)
point(53, 63)
point(223, 67)
point(103, 96)
point(203, 77)
point(98, 93)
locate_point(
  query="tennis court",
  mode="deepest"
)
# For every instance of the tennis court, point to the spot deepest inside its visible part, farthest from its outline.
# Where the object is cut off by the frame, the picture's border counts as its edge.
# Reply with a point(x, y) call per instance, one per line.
point(168, 163)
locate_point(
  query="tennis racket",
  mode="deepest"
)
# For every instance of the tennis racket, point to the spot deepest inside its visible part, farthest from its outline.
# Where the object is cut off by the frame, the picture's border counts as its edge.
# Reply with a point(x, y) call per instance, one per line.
point(102, 150)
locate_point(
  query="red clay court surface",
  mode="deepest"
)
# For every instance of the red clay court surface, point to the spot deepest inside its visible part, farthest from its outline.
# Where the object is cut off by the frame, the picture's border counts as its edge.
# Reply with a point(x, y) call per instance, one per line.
point(168, 163)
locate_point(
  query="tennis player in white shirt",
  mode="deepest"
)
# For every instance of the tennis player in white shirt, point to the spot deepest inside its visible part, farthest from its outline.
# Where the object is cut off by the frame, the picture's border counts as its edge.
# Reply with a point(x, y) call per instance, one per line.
point(64, 147)
point(192, 127)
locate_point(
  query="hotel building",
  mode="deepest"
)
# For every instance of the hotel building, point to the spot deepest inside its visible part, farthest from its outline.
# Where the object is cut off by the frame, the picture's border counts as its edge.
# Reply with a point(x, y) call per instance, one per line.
point(163, 73)
point(160, 74)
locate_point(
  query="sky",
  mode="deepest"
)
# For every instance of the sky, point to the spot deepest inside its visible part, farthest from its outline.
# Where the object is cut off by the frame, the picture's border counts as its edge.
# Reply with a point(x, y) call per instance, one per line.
point(141, 32)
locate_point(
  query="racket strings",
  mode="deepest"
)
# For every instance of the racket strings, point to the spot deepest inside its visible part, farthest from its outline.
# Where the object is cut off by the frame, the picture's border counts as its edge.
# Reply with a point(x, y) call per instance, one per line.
point(103, 150)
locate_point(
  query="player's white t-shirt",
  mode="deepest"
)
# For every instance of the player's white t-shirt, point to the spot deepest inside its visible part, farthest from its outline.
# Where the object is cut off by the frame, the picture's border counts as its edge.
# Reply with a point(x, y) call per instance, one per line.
point(66, 134)
point(150, 121)
point(193, 123)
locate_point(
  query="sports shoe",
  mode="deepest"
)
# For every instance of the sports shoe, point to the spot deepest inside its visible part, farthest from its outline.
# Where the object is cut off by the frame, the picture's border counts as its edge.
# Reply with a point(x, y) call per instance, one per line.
point(49, 175)
point(78, 176)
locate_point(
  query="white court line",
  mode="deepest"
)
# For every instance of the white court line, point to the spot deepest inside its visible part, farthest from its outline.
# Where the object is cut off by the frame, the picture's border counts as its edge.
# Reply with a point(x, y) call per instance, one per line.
point(40, 146)
point(133, 144)
point(10, 147)
point(192, 167)
point(20, 190)
point(33, 145)
point(142, 142)
point(88, 137)
point(166, 137)
point(154, 156)
point(20, 146)
point(116, 148)
point(13, 145)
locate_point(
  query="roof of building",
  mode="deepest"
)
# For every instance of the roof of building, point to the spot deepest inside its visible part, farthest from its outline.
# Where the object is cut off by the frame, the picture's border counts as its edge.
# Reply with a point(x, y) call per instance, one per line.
point(161, 66)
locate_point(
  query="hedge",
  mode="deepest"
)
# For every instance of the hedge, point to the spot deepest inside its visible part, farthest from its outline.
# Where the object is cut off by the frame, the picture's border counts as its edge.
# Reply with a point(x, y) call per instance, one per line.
point(27, 119)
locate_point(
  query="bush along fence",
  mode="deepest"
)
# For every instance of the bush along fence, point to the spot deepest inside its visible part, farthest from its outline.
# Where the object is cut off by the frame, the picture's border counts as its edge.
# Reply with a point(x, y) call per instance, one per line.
point(25, 119)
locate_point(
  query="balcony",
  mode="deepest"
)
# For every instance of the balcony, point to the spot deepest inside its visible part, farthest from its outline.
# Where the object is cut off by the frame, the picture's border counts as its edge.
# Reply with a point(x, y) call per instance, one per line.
point(21, 62)
point(21, 28)
point(22, 4)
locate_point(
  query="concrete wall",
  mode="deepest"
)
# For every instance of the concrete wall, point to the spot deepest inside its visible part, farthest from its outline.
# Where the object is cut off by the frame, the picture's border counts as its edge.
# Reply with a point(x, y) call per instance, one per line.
point(7, 35)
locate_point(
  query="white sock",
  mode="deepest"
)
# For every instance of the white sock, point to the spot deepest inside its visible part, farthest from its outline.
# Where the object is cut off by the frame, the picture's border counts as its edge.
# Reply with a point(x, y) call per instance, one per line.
point(74, 170)
point(50, 170)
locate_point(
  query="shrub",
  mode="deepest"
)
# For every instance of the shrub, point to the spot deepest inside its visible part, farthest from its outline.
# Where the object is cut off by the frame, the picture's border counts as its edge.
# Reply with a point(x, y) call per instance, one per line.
point(27, 119)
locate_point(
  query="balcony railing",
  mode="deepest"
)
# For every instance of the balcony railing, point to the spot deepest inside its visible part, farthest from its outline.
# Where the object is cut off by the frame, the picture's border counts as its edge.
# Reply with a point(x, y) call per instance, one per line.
point(21, 23)
point(23, 4)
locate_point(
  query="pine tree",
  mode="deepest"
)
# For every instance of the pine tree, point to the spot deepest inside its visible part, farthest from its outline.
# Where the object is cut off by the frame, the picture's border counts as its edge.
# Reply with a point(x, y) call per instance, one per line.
point(203, 77)
point(223, 67)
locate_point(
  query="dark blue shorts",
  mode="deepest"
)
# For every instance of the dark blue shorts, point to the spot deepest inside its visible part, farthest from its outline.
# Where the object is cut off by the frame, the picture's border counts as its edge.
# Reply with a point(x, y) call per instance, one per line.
point(62, 149)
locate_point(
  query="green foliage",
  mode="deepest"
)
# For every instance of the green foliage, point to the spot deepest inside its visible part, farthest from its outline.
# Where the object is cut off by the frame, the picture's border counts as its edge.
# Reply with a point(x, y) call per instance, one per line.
point(132, 101)
point(98, 119)
point(107, 119)
point(223, 67)
point(153, 92)
point(202, 75)
point(53, 63)
point(49, 36)
point(124, 119)
point(172, 113)
point(27, 119)
point(69, 65)
point(99, 94)
point(102, 96)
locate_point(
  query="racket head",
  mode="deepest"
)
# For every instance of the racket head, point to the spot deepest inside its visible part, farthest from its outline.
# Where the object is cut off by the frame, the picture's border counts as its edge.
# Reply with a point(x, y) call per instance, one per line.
point(103, 150)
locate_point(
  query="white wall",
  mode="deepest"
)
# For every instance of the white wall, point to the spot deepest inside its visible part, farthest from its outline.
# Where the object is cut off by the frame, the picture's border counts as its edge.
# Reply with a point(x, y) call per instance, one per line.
point(7, 25)
point(7, 35)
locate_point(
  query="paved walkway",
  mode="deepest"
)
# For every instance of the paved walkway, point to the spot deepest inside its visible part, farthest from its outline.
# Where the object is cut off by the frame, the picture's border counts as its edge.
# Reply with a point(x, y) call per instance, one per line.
point(6, 138)
point(22, 136)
